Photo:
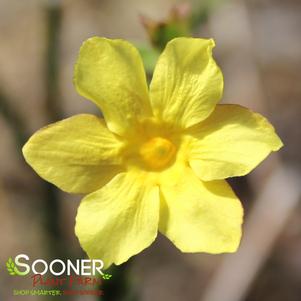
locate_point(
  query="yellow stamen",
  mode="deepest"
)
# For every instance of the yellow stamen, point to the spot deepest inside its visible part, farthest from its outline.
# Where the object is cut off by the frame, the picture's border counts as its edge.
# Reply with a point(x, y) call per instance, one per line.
point(157, 152)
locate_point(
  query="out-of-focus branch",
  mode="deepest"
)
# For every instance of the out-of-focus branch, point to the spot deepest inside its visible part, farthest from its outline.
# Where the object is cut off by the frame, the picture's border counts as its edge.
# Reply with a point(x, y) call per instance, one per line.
point(53, 19)
point(13, 119)
point(53, 110)
point(280, 190)
point(272, 209)
point(120, 286)
point(53, 113)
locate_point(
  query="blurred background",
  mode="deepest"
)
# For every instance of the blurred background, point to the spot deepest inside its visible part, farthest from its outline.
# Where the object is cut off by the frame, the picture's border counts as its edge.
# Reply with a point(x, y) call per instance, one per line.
point(259, 51)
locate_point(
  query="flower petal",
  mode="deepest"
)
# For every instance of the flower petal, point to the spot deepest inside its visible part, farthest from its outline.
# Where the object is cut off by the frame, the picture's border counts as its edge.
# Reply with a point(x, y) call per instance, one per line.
point(119, 220)
point(200, 216)
point(231, 142)
point(187, 83)
point(78, 154)
point(111, 74)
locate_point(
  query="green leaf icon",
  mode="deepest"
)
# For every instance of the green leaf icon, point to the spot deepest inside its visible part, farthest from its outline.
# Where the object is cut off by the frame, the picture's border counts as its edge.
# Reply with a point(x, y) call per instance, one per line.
point(12, 269)
point(106, 276)
point(10, 265)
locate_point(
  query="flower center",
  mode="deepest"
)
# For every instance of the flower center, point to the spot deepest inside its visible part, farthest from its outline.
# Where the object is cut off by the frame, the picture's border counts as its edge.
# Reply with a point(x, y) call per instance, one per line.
point(157, 152)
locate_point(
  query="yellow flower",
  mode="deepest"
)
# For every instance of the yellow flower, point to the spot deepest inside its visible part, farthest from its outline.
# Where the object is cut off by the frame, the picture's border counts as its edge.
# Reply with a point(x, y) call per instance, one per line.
point(158, 159)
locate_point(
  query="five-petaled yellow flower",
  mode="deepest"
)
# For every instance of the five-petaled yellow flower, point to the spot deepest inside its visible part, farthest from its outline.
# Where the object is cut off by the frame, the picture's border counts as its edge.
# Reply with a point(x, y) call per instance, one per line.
point(158, 159)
